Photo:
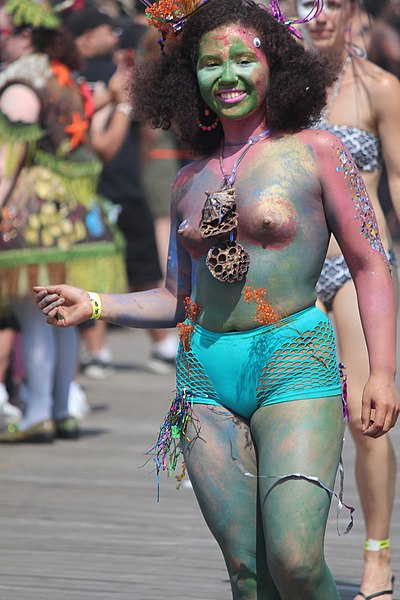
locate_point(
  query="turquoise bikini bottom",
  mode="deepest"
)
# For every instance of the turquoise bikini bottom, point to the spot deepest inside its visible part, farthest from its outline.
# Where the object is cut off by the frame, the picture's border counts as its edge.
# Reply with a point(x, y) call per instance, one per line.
point(293, 359)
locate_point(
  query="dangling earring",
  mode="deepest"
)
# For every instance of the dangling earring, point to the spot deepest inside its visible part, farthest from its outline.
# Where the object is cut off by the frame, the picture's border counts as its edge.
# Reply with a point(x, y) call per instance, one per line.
point(208, 126)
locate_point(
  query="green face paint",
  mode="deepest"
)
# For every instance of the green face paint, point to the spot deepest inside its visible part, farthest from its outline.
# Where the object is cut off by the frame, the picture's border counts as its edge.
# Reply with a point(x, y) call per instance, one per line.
point(232, 71)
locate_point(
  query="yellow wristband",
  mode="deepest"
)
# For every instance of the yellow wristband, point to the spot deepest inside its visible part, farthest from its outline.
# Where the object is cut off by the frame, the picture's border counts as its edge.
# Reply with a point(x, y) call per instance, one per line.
point(376, 545)
point(96, 305)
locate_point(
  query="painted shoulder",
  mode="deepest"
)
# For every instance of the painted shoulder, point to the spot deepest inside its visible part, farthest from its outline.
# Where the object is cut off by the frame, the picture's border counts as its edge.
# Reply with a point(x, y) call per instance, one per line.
point(323, 143)
point(188, 172)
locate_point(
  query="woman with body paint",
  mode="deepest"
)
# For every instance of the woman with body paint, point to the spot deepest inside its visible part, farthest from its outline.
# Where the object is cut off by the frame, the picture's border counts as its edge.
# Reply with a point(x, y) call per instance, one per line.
point(258, 408)
point(363, 111)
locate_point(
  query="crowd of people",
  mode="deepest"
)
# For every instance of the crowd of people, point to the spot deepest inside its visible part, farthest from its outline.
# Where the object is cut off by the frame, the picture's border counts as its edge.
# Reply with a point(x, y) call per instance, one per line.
point(270, 212)
point(104, 46)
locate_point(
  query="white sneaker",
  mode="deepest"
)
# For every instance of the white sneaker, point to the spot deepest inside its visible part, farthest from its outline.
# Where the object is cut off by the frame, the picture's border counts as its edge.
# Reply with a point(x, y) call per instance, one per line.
point(8, 412)
point(78, 405)
point(97, 367)
point(160, 364)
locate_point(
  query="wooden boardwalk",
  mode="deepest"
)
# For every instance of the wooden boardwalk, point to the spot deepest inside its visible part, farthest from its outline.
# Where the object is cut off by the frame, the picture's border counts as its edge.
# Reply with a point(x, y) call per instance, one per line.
point(80, 521)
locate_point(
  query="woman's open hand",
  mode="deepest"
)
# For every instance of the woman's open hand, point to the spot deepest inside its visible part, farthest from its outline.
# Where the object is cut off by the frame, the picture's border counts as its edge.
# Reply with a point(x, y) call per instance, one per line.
point(380, 406)
point(63, 305)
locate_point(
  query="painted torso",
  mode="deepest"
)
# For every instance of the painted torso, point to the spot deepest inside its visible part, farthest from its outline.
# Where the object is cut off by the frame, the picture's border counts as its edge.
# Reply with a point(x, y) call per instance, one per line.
point(281, 225)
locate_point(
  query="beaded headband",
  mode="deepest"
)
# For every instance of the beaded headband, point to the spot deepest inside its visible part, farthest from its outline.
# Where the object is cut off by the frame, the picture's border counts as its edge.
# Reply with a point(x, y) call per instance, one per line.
point(37, 13)
point(169, 16)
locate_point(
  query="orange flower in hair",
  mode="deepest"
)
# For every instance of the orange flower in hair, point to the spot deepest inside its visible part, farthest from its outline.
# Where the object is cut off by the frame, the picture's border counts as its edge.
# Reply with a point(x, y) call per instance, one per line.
point(168, 16)
point(162, 15)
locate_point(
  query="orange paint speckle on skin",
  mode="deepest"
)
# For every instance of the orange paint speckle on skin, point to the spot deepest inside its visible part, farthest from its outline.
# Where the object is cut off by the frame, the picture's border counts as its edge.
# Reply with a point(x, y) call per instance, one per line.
point(265, 313)
point(185, 330)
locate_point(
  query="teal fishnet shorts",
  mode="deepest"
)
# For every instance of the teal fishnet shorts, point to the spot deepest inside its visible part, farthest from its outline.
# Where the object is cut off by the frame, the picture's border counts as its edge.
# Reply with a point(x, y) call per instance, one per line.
point(293, 359)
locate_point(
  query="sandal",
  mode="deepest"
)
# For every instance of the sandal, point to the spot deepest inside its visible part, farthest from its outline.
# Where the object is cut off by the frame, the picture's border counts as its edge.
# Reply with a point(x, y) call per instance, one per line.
point(378, 594)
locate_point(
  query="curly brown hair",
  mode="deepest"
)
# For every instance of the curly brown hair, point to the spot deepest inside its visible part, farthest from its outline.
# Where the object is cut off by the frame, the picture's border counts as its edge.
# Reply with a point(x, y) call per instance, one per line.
point(165, 90)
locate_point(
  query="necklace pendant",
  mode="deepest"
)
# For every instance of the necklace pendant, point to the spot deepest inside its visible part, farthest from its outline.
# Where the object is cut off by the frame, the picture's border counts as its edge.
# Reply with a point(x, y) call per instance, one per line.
point(228, 262)
point(219, 214)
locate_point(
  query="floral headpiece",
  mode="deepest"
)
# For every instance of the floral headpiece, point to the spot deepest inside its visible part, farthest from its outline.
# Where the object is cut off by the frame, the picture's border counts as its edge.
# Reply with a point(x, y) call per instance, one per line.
point(37, 13)
point(169, 16)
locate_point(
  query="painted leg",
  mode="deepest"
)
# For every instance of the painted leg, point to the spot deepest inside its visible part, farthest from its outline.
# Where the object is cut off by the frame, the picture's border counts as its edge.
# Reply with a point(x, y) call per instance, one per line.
point(305, 437)
point(228, 499)
point(375, 459)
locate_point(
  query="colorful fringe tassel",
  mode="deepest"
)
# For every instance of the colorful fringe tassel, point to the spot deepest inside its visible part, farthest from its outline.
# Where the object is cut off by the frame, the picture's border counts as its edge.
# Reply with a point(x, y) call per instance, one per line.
point(167, 450)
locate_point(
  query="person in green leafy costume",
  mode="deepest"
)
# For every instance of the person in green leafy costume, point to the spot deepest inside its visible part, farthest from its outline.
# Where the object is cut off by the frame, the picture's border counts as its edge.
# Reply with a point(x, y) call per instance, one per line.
point(52, 222)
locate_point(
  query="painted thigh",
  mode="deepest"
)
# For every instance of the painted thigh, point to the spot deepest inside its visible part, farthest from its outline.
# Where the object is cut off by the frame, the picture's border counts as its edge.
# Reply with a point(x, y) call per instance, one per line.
point(298, 437)
point(229, 500)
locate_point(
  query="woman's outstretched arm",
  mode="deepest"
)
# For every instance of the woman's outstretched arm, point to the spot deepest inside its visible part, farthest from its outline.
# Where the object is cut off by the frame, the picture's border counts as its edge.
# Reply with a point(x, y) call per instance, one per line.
point(65, 305)
point(352, 221)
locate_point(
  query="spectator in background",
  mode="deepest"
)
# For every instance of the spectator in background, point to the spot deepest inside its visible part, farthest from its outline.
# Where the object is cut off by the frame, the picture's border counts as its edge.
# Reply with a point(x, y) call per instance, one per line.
point(121, 182)
point(384, 50)
point(96, 36)
point(363, 111)
point(52, 222)
point(161, 155)
point(384, 44)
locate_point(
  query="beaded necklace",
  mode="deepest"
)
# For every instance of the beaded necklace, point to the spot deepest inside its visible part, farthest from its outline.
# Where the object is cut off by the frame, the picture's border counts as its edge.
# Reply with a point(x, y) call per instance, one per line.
point(227, 260)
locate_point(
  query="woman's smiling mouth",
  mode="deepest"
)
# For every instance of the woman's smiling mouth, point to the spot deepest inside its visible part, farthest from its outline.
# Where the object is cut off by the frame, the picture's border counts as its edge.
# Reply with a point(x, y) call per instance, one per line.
point(230, 96)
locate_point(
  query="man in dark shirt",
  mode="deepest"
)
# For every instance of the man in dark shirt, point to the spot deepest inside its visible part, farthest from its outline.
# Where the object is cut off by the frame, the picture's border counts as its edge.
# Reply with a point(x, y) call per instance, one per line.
point(120, 180)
